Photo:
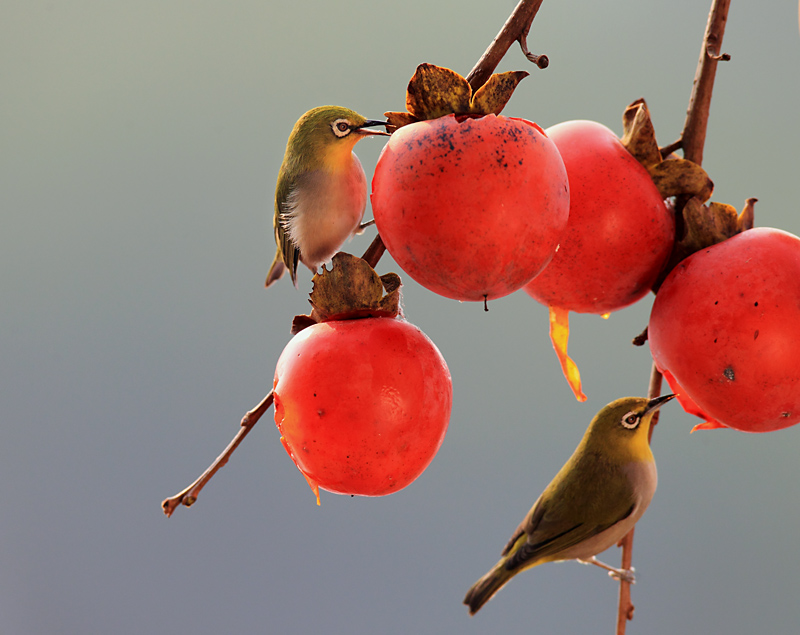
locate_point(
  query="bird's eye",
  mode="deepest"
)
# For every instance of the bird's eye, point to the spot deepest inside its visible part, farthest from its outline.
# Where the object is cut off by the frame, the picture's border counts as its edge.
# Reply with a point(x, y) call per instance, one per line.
point(341, 127)
point(630, 420)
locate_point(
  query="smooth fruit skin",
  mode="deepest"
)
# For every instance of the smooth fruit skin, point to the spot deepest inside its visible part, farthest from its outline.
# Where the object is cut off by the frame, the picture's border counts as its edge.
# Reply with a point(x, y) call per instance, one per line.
point(620, 231)
point(471, 208)
point(362, 405)
point(725, 330)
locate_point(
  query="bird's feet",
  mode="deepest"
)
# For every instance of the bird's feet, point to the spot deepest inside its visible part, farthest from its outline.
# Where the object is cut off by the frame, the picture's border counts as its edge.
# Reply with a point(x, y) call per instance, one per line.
point(621, 575)
point(624, 575)
point(360, 229)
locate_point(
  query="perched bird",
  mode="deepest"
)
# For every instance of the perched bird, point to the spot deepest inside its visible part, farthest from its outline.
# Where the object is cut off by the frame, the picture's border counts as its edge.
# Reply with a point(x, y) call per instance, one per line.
point(594, 500)
point(322, 190)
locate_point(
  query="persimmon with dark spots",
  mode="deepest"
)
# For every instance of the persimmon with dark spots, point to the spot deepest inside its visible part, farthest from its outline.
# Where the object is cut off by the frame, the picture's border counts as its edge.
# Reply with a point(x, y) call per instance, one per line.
point(725, 331)
point(362, 405)
point(471, 207)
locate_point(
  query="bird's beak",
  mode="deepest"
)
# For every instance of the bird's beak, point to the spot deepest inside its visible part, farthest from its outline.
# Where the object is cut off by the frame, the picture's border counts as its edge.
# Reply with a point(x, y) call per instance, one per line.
point(656, 403)
point(369, 124)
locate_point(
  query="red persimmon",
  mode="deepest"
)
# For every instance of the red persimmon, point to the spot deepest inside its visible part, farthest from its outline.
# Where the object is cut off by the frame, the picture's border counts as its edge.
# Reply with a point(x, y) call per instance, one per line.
point(620, 231)
point(362, 405)
point(725, 331)
point(472, 208)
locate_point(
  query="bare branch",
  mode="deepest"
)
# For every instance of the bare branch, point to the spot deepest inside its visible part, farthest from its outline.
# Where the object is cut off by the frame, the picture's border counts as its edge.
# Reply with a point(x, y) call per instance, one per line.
point(694, 129)
point(515, 29)
point(188, 496)
point(374, 252)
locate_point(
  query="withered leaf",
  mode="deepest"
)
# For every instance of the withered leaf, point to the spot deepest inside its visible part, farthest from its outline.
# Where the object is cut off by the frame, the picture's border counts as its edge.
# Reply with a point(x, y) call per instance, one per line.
point(638, 134)
point(493, 96)
point(680, 176)
point(672, 176)
point(746, 219)
point(435, 91)
point(350, 289)
point(398, 120)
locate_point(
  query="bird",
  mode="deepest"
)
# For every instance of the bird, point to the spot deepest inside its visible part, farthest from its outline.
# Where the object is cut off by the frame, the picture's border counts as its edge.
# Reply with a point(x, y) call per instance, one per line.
point(591, 504)
point(321, 191)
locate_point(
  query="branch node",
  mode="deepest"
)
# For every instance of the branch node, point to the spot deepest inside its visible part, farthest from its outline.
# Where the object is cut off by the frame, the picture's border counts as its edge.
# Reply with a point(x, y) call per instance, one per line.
point(712, 49)
point(542, 61)
point(640, 339)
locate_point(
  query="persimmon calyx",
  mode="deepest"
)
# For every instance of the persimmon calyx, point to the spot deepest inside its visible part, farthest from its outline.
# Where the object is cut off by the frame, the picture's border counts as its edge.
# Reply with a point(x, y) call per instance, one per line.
point(672, 176)
point(435, 91)
point(350, 289)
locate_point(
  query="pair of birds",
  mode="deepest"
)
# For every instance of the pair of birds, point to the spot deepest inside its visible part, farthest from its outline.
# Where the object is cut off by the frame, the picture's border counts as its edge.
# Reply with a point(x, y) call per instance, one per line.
point(608, 482)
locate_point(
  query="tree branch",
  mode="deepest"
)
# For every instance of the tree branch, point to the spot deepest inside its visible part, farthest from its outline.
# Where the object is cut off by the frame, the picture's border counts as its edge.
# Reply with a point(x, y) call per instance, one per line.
point(692, 141)
point(188, 496)
point(694, 129)
point(515, 29)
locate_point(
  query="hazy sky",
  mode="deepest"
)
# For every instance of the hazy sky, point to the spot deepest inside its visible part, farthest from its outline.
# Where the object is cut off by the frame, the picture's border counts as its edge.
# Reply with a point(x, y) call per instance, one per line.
point(139, 147)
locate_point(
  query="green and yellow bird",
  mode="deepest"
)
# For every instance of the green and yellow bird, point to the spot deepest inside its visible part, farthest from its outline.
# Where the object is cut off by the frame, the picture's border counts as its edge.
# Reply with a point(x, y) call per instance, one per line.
point(322, 189)
point(594, 500)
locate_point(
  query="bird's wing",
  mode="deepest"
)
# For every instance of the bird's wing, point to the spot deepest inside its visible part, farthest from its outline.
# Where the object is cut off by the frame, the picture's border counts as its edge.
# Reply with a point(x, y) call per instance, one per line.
point(553, 538)
point(283, 211)
point(558, 519)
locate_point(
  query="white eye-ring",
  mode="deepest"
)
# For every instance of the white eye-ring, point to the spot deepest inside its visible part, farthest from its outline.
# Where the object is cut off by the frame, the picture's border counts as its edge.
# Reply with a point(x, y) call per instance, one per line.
point(342, 127)
point(630, 420)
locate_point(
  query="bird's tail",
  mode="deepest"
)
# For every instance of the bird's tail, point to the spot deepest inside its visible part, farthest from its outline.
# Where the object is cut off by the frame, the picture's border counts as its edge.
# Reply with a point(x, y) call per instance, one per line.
point(276, 270)
point(485, 588)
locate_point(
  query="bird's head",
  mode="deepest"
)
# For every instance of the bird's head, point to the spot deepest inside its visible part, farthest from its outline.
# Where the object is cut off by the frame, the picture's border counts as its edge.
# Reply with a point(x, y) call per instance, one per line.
point(620, 430)
point(328, 134)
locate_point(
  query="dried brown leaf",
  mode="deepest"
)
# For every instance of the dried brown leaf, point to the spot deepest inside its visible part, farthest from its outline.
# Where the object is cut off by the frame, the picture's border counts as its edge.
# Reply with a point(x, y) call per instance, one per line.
point(674, 177)
point(350, 289)
point(398, 120)
point(638, 134)
point(493, 96)
point(435, 91)
point(747, 219)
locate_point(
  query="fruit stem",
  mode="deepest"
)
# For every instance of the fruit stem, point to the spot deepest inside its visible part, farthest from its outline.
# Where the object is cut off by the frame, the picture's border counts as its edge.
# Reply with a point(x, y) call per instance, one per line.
point(692, 142)
point(188, 496)
point(374, 252)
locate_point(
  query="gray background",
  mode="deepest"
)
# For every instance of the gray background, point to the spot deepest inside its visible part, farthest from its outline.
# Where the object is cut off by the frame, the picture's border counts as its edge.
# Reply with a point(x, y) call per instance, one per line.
point(139, 146)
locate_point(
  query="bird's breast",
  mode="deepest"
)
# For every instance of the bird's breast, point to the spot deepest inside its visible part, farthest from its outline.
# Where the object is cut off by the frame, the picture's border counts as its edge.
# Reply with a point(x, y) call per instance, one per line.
point(326, 207)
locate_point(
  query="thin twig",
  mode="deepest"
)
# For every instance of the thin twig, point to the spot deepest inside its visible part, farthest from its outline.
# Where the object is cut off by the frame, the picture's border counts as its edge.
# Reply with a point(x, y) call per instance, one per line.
point(696, 124)
point(692, 141)
point(672, 147)
point(188, 496)
point(542, 61)
point(515, 29)
point(374, 252)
